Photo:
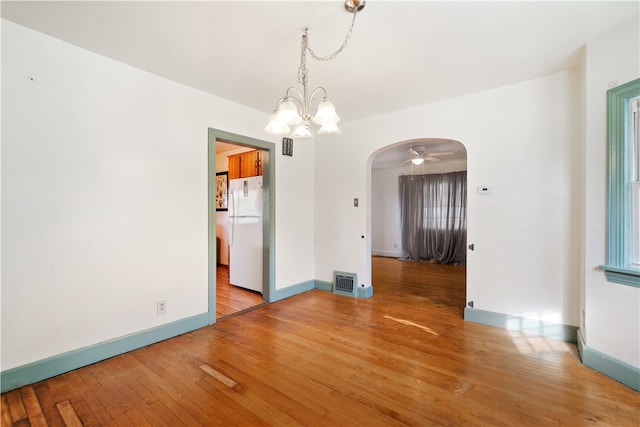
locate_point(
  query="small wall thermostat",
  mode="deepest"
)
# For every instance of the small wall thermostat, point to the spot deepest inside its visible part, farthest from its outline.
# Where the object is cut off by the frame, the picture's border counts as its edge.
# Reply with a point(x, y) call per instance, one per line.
point(485, 189)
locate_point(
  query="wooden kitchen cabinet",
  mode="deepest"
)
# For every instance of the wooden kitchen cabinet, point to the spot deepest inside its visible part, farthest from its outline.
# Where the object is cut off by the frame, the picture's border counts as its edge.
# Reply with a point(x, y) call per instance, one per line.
point(234, 167)
point(245, 165)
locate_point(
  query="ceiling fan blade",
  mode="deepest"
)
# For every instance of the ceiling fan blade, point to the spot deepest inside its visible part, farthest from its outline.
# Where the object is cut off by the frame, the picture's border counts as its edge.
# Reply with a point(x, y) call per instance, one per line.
point(405, 162)
point(432, 159)
point(414, 152)
point(440, 153)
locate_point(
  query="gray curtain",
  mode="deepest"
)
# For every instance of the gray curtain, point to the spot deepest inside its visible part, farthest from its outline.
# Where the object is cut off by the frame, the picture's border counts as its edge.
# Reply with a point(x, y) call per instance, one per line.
point(433, 210)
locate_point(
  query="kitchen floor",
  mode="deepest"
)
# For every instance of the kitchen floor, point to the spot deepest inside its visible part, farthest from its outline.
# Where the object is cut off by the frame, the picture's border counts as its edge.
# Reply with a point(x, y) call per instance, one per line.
point(232, 299)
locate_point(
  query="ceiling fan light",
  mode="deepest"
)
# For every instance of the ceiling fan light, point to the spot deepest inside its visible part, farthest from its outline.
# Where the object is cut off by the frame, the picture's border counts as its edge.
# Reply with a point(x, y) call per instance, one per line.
point(325, 113)
point(302, 132)
point(288, 113)
point(417, 161)
point(276, 126)
point(329, 128)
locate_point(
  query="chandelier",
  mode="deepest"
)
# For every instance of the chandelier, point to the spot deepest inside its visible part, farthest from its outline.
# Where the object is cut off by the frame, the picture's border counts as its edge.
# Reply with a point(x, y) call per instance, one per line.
point(294, 108)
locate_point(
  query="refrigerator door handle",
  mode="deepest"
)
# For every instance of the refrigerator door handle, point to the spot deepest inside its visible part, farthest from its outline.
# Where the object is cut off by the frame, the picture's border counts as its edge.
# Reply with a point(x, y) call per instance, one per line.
point(232, 217)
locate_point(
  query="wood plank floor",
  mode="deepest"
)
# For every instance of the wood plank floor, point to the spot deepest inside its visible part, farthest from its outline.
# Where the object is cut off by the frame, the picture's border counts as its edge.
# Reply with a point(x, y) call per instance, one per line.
point(232, 299)
point(402, 357)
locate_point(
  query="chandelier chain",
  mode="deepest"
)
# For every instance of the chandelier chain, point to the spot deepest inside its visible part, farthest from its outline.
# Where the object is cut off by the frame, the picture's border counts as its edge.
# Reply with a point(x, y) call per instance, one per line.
point(302, 70)
point(332, 56)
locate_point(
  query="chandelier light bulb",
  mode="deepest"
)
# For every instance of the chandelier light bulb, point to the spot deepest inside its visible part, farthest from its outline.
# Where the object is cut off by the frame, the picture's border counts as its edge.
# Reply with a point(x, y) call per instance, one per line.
point(329, 128)
point(288, 113)
point(276, 126)
point(302, 131)
point(326, 113)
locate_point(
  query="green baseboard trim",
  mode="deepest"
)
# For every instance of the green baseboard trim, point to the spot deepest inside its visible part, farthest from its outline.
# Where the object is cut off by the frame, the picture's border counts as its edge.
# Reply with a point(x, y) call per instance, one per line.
point(366, 292)
point(328, 287)
point(292, 290)
point(30, 373)
point(613, 368)
point(323, 285)
point(50, 367)
point(516, 323)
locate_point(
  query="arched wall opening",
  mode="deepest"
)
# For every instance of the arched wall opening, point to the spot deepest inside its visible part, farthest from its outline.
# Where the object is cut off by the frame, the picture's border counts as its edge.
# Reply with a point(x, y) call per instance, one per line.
point(384, 167)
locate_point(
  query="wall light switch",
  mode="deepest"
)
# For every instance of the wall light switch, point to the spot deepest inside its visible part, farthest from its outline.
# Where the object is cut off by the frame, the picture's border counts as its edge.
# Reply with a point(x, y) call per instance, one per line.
point(485, 189)
point(287, 147)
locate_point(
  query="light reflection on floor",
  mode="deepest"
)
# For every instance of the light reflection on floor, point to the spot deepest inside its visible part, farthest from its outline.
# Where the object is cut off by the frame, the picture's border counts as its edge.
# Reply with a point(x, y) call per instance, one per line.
point(409, 323)
point(531, 344)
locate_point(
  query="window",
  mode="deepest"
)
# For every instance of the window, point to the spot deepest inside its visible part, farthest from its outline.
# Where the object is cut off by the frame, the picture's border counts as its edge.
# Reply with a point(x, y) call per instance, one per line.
point(623, 189)
point(634, 134)
point(433, 217)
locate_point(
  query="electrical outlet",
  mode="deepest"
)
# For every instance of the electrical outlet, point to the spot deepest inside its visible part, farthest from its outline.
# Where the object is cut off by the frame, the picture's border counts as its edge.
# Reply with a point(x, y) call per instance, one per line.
point(395, 246)
point(161, 307)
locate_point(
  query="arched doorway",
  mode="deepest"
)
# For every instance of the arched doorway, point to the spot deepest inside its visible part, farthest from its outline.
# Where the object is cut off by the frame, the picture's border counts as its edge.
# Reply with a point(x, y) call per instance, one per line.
point(388, 166)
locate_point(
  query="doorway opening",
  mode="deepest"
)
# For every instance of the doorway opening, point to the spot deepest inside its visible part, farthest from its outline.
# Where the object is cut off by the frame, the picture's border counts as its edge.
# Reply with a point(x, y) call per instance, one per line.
point(419, 160)
point(241, 215)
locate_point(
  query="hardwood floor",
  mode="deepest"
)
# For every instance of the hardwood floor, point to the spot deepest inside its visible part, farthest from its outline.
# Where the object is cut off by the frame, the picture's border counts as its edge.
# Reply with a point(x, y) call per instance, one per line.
point(402, 357)
point(232, 299)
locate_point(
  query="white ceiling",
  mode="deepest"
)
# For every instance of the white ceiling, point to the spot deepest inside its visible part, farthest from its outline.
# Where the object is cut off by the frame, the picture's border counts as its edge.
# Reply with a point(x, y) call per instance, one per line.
point(401, 53)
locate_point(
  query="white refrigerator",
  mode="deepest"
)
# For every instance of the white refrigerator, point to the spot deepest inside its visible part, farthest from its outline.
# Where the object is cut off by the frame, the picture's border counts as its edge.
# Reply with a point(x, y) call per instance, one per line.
point(245, 233)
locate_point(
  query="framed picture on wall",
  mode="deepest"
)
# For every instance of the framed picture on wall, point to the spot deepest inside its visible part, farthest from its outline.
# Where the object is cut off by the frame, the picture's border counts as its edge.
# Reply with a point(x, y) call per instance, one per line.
point(222, 190)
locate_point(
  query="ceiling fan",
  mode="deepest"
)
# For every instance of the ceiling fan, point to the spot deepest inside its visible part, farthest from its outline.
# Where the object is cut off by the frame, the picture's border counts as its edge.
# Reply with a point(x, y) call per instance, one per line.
point(419, 156)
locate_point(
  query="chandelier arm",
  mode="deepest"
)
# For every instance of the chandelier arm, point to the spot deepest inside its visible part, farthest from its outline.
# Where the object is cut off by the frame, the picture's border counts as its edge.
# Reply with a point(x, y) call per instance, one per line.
point(300, 100)
point(297, 95)
point(314, 96)
point(279, 102)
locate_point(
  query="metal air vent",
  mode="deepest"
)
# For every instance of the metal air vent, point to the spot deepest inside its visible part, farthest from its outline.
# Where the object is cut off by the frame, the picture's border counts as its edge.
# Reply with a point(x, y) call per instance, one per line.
point(345, 283)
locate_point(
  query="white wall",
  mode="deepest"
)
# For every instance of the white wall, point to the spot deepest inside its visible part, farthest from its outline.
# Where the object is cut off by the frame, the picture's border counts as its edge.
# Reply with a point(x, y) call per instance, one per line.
point(104, 197)
point(520, 139)
point(612, 310)
point(386, 235)
point(295, 262)
point(386, 239)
